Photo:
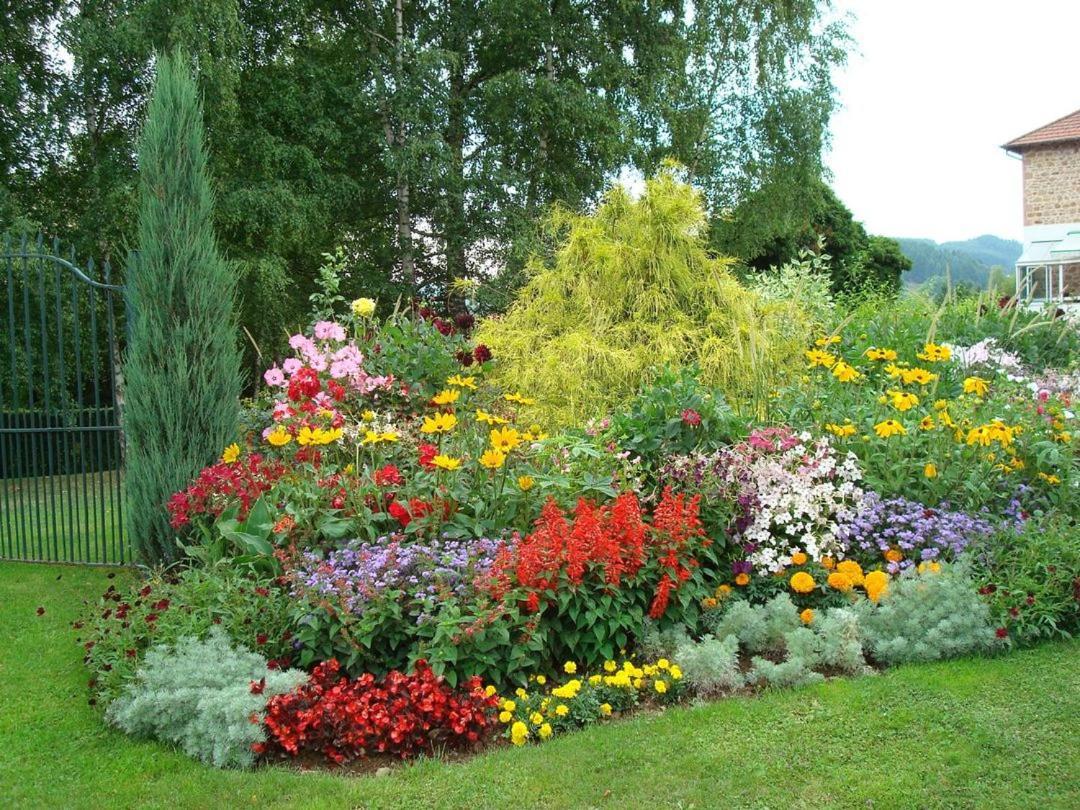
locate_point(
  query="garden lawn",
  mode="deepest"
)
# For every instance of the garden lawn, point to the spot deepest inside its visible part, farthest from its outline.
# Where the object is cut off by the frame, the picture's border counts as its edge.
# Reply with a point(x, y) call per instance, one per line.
point(1002, 732)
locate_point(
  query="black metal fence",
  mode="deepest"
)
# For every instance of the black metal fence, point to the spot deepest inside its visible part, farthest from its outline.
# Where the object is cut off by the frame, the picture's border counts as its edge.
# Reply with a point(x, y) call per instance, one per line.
point(61, 396)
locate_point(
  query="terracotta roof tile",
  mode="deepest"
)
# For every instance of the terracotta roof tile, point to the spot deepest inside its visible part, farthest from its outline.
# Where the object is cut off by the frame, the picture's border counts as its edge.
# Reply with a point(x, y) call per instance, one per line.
point(1064, 129)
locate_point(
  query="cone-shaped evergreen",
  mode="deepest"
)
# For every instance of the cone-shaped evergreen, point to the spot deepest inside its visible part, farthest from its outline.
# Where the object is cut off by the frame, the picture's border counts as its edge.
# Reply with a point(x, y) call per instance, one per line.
point(182, 366)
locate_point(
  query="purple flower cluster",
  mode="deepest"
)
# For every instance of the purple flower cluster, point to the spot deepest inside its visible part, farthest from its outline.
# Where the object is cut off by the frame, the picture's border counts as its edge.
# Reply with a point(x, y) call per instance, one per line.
point(919, 532)
point(413, 571)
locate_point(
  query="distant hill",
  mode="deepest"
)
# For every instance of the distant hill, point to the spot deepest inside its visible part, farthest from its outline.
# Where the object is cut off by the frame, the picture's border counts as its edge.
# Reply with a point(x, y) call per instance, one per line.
point(969, 260)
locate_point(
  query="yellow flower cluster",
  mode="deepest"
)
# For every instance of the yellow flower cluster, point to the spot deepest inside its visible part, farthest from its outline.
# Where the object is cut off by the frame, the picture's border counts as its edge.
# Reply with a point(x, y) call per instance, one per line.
point(317, 436)
point(994, 431)
point(933, 353)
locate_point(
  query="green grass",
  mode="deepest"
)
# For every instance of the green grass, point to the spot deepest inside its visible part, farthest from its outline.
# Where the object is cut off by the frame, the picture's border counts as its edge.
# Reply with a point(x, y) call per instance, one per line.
point(972, 733)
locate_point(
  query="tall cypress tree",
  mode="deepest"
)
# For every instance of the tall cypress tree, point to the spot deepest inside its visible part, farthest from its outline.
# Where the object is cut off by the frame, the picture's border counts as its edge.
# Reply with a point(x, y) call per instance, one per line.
point(182, 365)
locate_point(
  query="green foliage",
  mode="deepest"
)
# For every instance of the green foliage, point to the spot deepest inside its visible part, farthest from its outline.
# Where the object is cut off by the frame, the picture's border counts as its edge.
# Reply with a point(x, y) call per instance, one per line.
point(710, 666)
point(1031, 578)
point(924, 617)
point(253, 611)
point(841, 640)
point(802, 652)
point(661, 420)
point(198, 694)
point(759, 628)
point(632, 289)
point(182, 364)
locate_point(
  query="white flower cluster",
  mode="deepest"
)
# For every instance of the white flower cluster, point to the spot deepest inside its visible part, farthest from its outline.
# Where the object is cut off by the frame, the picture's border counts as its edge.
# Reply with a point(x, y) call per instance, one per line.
point(794, 493)
point(988, 354)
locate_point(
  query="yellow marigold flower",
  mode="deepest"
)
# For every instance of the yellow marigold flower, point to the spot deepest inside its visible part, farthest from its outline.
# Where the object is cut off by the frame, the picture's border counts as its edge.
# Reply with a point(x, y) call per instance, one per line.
point(519, 399)
point(231, 453)
point(439, 423)
point(541, 679)
point(843, 431)
point(894, 555)
point(610, 666)
point(490, 419)
point(562, 710)
point(902, 400)
point(363, 307)
point(279, 436)
point(505, 717)
point(569, 667)
point(444, 462)
point(940, 404)
point(722, 591)
point(890, 427)
point(489, 690)
point(1052, 480)
point(807, 616)
point(545, 731)
point(536, 718)
point(932, 567)
point(876, 583)
point(840, 582)
point(852, 569)
point(880, 354)
point(828, 563)
point(594, 680)
point(977, 386)
point(446, 397)
point(660, 686)
point(525, 482)
point(663, 663)
point(819, 358)
point(505, 439)
point(519, 733)
point(638, 682)
point(802, 582)
point(368, 416)
point(605, 709)
point(509, 705)
point(742, 579)
point(844, 372)
point(461, 382)
point(799, 558)
point(675, 672)
point(930, 470)
point(709, 602)
point(521, 693)
point(1064, 437)
point(933, 353)
point(492, 459)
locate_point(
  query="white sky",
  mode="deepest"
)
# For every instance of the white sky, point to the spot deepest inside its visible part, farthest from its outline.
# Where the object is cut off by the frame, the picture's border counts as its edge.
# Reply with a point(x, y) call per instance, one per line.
point(931, 92)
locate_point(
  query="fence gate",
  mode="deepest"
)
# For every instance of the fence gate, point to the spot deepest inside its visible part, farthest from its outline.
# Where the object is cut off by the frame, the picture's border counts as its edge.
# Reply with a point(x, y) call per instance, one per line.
point(61, 447)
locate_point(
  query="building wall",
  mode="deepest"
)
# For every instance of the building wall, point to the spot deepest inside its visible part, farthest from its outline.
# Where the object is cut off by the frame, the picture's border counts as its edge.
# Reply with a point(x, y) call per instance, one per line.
point(1052, 184)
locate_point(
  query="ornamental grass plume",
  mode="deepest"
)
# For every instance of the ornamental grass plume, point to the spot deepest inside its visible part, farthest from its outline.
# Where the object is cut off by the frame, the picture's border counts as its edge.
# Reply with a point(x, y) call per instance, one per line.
point(633, 289)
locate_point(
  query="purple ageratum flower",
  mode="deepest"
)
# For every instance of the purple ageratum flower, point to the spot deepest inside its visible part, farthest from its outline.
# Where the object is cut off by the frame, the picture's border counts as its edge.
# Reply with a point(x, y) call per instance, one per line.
point(918, 532)
point(413, 572)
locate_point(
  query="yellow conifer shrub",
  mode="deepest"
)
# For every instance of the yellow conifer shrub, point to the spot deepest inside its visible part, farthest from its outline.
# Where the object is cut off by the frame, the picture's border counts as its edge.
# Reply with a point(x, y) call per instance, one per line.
point(632, 289)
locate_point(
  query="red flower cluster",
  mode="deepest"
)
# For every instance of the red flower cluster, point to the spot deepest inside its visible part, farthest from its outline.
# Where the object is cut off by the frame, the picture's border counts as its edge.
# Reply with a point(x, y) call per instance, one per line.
point(399, 714)
point(220, 485)
point(304, 384)
point(676, 528)
point(388, 476)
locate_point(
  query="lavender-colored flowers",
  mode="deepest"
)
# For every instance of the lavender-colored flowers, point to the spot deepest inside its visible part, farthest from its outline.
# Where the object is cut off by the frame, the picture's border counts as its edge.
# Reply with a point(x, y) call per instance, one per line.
point(917, 531)
point(422, 573)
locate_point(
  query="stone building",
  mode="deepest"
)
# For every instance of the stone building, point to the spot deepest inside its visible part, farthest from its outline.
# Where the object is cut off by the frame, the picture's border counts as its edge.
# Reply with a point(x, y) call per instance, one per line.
point(1049, 269)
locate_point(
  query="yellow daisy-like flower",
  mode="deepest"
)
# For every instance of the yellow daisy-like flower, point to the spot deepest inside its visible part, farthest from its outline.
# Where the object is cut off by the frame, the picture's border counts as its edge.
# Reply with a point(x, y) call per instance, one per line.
point(843, 431)
point(493, 459)
point(490, 419)
point(1052, 480)
point(461, 382)
point(305, 436)
point(807, 616)
point(505, 439)
point(844, 372)
point(802, 582)
point(519, 399)
point(977, 386)
point(828, 340)
point(368, 416)
point(917, 376)
point(444, 462)
point(926, 423)
point(890, 427)
point(279, 436)
point(930, 470)
point(447, 397)
point(439, 423)
point(231, 453)
point(902, 400)
point(375, 437)
point(880, 354)
point(816, 357)
point(525, 482)
point(933, 353)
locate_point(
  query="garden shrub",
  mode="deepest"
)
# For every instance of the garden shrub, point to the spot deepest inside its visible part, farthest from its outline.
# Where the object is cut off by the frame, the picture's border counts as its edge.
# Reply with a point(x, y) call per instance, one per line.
point(710, 666)
point(1031, 578)
point(802, 652)
point(182, 365)
point(399, 714)
point(633, 289)
point(758, 628)
point(202, 695)
point(928, 616)
point(253, 611)
point(841, 640)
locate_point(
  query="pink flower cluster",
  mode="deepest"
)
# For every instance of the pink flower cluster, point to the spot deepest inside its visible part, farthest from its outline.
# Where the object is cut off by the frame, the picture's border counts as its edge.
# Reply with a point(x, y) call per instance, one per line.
point(329, 352)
